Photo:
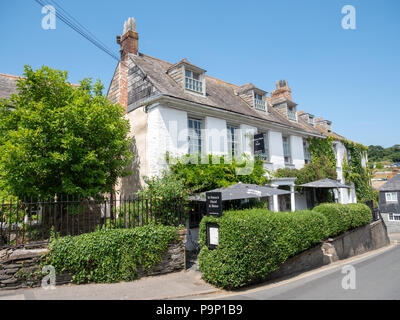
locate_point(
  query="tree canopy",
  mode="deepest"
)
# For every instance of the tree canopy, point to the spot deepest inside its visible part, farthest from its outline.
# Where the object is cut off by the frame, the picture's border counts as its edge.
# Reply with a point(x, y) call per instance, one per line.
point(61, 139)
point(378, 153)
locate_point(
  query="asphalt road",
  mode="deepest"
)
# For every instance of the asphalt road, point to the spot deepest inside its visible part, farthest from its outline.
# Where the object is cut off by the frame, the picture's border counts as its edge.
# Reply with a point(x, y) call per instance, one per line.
point(377, 277)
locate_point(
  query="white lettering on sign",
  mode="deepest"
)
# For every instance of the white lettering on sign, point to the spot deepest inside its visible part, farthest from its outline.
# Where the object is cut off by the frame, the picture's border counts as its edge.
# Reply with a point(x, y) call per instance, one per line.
point(214, 236)
point(255, 192)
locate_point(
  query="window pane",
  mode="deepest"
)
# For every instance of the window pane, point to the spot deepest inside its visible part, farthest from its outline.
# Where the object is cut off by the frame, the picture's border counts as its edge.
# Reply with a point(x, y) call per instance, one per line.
point(195, 137)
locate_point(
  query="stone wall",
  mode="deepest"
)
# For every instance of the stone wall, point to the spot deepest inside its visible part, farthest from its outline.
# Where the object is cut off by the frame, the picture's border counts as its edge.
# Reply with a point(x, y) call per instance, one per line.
point(20, 266)
point(346, 245)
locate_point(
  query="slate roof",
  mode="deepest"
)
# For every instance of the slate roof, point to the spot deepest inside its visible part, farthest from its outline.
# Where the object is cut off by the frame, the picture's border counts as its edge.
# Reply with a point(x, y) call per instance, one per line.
point(242, 191)
point(8, 85)
point(391, 185)
point(324, 183)
point(220, 94)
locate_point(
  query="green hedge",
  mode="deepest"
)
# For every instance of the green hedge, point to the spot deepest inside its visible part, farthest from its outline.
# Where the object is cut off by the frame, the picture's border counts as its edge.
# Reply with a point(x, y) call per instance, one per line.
point(344, 217)
point(111, 255)
point(255, 242)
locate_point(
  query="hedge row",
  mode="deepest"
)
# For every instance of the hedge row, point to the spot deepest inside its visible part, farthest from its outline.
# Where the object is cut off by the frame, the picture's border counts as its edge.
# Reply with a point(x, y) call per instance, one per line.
point(255, 242)
point(344, 217)
point(110, 255)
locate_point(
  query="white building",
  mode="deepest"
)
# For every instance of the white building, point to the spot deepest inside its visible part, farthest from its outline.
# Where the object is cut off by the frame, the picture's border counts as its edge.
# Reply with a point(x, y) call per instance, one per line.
point(178, 108)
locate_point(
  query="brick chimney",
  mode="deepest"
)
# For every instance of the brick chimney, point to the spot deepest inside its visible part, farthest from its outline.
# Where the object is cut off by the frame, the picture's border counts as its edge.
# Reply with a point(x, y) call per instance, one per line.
point(129, 43)
point(282, 90)
point(129, 40)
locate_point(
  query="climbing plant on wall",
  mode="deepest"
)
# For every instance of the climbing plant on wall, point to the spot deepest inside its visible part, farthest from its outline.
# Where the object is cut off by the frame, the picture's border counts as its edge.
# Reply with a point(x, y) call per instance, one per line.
point(322, 148)
point(354, 171)
point(322, 166)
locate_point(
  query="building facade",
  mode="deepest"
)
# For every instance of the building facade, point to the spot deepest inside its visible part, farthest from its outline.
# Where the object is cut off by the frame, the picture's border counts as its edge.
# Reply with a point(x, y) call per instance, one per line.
point(389, 195)
point(179, 109)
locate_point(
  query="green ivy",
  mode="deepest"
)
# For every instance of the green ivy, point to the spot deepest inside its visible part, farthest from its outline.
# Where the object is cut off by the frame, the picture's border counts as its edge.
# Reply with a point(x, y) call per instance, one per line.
point(353, 171)
point(322, 148)
point(322, 166)
point(216, 173)
point(111, 255)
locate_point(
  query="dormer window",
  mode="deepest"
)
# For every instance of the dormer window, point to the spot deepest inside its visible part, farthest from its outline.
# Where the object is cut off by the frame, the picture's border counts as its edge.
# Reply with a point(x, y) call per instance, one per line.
point(311, 120)
point(259, 101)
point(291, 113)
point(193, 81)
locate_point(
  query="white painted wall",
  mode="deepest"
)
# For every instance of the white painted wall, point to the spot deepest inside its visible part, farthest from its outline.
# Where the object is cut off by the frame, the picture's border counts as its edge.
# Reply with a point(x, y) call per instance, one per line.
point(167, 131)
point(215, 136)
point(276, 149)
point(247, 133)
point(297, 151)
point(340, 154)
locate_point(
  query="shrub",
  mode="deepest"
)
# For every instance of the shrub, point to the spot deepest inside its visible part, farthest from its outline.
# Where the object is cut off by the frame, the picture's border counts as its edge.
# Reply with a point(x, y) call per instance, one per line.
point(165, 192)
point(255, 242)
point(111, 255)
point(344, 217)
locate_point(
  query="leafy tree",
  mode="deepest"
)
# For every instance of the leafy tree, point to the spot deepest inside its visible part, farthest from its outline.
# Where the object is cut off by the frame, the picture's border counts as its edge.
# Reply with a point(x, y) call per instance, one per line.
point(378, 153)
point(57, 138)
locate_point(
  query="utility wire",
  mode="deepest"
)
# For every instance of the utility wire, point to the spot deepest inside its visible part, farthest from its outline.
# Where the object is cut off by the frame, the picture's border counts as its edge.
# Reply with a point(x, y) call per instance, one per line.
point(79, 28)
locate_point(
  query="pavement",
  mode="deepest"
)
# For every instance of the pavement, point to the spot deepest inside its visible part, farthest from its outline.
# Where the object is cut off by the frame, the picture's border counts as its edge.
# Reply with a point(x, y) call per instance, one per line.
point(377, 277)
point(168, 286)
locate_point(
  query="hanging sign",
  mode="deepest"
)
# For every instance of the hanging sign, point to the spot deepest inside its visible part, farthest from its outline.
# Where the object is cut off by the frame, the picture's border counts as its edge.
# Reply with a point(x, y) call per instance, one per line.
point(259, 147)
point(214, 203)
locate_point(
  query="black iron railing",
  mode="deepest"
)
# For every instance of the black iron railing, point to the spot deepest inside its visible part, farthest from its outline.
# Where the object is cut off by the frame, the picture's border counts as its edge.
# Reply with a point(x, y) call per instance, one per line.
point(33, 220)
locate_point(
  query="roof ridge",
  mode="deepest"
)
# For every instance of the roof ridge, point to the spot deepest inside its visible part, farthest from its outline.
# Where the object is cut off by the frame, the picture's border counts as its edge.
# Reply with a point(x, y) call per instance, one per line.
point(146, 55)
point(219, 80)
point(172, 64)
point(10, 75)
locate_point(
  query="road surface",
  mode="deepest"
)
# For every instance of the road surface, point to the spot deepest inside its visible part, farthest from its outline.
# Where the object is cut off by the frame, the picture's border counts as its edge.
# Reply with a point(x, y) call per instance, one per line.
point(377, 276)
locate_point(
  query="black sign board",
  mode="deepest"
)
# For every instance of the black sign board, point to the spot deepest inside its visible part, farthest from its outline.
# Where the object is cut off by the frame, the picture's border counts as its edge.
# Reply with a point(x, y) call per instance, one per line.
point(214, 203)
point(259, 147)
point(212, 235)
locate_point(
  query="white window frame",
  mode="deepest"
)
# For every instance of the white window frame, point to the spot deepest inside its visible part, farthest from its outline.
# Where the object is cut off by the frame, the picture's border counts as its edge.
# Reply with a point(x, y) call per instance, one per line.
point(311, 120)
point(265, 156)
point(391, 196)
point(394, 216)
point(192, 84)
point(259, 104)
point(292, 115)
point(289, 151)
point(233, 140)
point(195, 133)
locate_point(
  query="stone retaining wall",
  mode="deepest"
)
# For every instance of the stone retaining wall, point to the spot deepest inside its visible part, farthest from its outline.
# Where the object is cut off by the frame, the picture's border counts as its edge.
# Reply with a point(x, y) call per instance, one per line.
point(20, 267)
point(351, 243)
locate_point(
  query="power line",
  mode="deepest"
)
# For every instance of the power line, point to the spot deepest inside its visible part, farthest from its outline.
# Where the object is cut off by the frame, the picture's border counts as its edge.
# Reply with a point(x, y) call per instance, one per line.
point(79, 28)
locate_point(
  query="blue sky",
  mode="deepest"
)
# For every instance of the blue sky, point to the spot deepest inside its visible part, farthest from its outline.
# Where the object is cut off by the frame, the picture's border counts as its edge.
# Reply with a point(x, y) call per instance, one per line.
point(350, 77)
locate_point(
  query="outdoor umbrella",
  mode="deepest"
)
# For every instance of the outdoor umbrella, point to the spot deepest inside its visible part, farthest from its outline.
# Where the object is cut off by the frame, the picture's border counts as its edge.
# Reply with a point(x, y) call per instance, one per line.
point(325, 183)
point(241, 191)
